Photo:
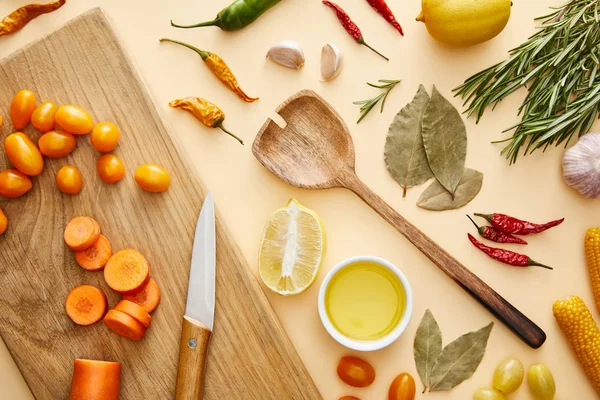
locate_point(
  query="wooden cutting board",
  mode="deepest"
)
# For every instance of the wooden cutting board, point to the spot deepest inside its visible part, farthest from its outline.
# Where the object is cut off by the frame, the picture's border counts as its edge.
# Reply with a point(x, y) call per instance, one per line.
point(250, 355)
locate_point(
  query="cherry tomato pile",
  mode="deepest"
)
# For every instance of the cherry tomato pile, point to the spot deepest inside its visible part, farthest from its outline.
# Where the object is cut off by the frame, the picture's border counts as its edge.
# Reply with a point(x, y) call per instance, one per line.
point(60, 127)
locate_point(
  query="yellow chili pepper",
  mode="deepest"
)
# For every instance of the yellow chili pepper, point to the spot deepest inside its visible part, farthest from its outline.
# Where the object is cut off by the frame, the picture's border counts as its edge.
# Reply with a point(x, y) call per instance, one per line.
point(17, 19)
point(219, 69)
point(205, 111)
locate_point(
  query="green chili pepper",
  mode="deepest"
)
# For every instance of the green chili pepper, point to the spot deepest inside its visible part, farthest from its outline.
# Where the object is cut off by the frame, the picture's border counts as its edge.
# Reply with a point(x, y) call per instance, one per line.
point(238, 15)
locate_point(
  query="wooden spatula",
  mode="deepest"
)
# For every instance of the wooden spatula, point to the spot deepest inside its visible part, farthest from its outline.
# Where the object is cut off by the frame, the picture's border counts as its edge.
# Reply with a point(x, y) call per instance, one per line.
point(315, 151)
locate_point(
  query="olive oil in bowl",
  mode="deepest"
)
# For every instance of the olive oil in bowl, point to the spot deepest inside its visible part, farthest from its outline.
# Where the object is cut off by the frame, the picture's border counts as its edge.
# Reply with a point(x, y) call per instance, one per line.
point(365, 303)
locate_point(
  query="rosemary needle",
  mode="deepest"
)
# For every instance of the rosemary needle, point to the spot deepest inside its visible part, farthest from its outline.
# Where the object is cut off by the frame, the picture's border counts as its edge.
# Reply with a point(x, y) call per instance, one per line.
point(367, 105)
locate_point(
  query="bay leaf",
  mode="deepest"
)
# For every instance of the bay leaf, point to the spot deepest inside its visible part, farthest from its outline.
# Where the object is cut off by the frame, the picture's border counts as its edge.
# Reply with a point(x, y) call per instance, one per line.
point(427, 347)
point(437, 198)
point(404, 153)
point(445, 141)
point(459, 360)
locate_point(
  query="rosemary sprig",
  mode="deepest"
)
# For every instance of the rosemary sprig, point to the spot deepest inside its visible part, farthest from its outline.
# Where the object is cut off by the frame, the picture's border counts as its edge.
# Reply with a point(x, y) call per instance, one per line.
point(559, 67)
point(367, 105)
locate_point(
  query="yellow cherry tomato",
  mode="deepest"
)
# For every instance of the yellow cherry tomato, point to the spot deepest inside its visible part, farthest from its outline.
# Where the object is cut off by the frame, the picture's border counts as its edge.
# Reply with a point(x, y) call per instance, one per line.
point(43, 117)
point(105, 136)
point(69, 180)
point(24, 154)
point(14, 183)
point(21, 108)
point(402, 388)
point(152, 178)
point(110, 168)
point(74, 120)
point(3, 222)
point(56, 144)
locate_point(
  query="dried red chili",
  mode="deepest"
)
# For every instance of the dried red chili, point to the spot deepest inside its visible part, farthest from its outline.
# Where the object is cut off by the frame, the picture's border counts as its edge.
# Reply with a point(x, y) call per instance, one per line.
point(506, 256)
point(496, 235)
point(382, 8)
point(350, 26)
point(17, 19)
point(508, 224)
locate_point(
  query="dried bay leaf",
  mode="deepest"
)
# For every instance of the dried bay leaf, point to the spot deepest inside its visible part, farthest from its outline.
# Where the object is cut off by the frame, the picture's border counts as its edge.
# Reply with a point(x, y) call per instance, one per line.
point(437, 198)
point(427, 347)
point(404, 152)
point(459, 360)
point(445, 141)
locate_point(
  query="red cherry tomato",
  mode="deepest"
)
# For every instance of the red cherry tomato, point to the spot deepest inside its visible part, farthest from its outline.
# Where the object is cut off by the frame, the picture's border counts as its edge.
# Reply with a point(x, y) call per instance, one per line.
point(56, 144)
point(14, 183)
point(110, 168)
point(105, 136)
point(43, 117)
point(355, 372)
point(74, 120)
point(402, 388)
point(69, 180)
point(21, 108)
point(24, 154)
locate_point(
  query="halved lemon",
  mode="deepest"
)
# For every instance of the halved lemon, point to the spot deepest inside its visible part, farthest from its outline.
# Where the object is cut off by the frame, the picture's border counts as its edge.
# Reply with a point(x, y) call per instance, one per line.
point(292, 249)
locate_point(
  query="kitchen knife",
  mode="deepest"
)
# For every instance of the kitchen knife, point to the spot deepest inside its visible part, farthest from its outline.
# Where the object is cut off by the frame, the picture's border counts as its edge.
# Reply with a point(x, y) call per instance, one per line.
point(200, 308)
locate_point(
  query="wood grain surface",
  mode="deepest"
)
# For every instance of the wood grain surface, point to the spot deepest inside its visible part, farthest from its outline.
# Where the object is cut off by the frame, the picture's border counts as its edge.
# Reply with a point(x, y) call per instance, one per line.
point(315, 151)
point(250, 356)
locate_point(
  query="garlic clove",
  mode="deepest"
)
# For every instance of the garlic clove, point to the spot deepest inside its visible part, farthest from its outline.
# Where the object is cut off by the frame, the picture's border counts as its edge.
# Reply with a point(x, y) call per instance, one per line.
point(287, 53)
point(581, 165)
point(331, 61)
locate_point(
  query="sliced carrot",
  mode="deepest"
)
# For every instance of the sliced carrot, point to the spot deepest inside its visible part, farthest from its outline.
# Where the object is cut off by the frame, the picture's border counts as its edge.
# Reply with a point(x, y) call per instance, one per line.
point(135, 311)
point(94, 258)
point(124, 325)
point(86, 305)
point(126, 271)
point(97, 380)
point(81, 233)
point(147, 297)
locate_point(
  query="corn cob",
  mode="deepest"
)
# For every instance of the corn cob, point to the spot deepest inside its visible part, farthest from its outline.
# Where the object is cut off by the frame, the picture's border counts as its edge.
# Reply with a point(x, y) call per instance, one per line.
point(592, 253)
point(578, 325)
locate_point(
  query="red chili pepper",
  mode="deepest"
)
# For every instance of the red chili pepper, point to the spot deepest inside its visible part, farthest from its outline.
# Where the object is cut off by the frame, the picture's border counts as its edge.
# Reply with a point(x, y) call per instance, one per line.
point(506, 256)
point(508, 224)
point(496, 235)
point(382, 8)
point(350, 26)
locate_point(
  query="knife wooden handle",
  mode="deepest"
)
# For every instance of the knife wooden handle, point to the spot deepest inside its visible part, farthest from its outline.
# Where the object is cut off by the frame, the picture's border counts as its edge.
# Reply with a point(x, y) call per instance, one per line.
point(193, 349)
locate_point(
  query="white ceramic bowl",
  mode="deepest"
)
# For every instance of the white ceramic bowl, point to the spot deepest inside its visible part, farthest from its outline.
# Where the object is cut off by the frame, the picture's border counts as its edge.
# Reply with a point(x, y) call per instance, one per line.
point(366, 345)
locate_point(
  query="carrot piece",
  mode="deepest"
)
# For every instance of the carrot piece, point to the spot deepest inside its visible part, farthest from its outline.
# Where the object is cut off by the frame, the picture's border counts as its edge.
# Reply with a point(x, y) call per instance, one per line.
point(124, 325)
point(147, 297)
point(94, 258)
point(86, 305)
point(135, 311)
point(126, 271)
point(81, 233)
point(95, 380)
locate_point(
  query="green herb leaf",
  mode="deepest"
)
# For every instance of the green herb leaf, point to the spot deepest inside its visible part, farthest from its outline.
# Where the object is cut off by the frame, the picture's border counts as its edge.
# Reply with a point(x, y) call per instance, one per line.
point(459, 360)
point(437, 198)
point(404, 153)
point(427, 347)
point(445, 141)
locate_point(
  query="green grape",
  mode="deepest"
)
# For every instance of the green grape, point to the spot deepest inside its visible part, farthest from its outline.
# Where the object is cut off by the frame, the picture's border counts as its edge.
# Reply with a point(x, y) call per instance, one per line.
point(509, 375)
point(541, 382)
point(488, 394)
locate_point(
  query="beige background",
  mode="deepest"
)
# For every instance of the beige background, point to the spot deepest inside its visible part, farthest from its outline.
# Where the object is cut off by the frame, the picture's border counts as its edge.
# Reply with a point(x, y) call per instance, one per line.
point(247, 194)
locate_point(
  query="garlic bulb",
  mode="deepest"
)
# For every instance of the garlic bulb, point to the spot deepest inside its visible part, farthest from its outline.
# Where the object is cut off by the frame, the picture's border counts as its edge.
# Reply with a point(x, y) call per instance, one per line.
point(287, 53)
point(331, 61)
point(581, 165)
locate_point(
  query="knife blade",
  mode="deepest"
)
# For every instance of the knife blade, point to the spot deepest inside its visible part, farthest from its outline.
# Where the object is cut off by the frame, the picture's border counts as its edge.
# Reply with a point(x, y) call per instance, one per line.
point(198, 320)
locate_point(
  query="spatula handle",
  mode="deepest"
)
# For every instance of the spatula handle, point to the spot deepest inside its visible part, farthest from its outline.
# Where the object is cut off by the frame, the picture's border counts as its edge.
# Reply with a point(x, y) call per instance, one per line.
point(193, 349)
point(527, 330)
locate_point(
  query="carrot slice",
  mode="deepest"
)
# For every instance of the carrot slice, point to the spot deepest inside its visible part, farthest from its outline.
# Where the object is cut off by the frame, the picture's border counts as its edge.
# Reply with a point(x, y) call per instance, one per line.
point(124, 325)
point(135, 311)
point(147, 297)
point(126, 271)
point(98, 380)
point(86, 305)
point(94, 258)
point(81, 233)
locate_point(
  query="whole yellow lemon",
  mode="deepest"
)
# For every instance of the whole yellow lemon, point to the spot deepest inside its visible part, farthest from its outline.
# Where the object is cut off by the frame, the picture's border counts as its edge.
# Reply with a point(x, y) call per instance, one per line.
point(464, 23)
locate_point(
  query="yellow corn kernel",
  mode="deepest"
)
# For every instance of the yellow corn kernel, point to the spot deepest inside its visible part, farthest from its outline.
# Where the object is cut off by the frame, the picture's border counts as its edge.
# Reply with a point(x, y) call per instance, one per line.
point(578, 325)
point(592, 253)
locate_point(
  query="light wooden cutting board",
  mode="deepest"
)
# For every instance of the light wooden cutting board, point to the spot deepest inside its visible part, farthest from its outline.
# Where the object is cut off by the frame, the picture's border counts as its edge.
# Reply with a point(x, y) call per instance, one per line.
point(250, 355)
